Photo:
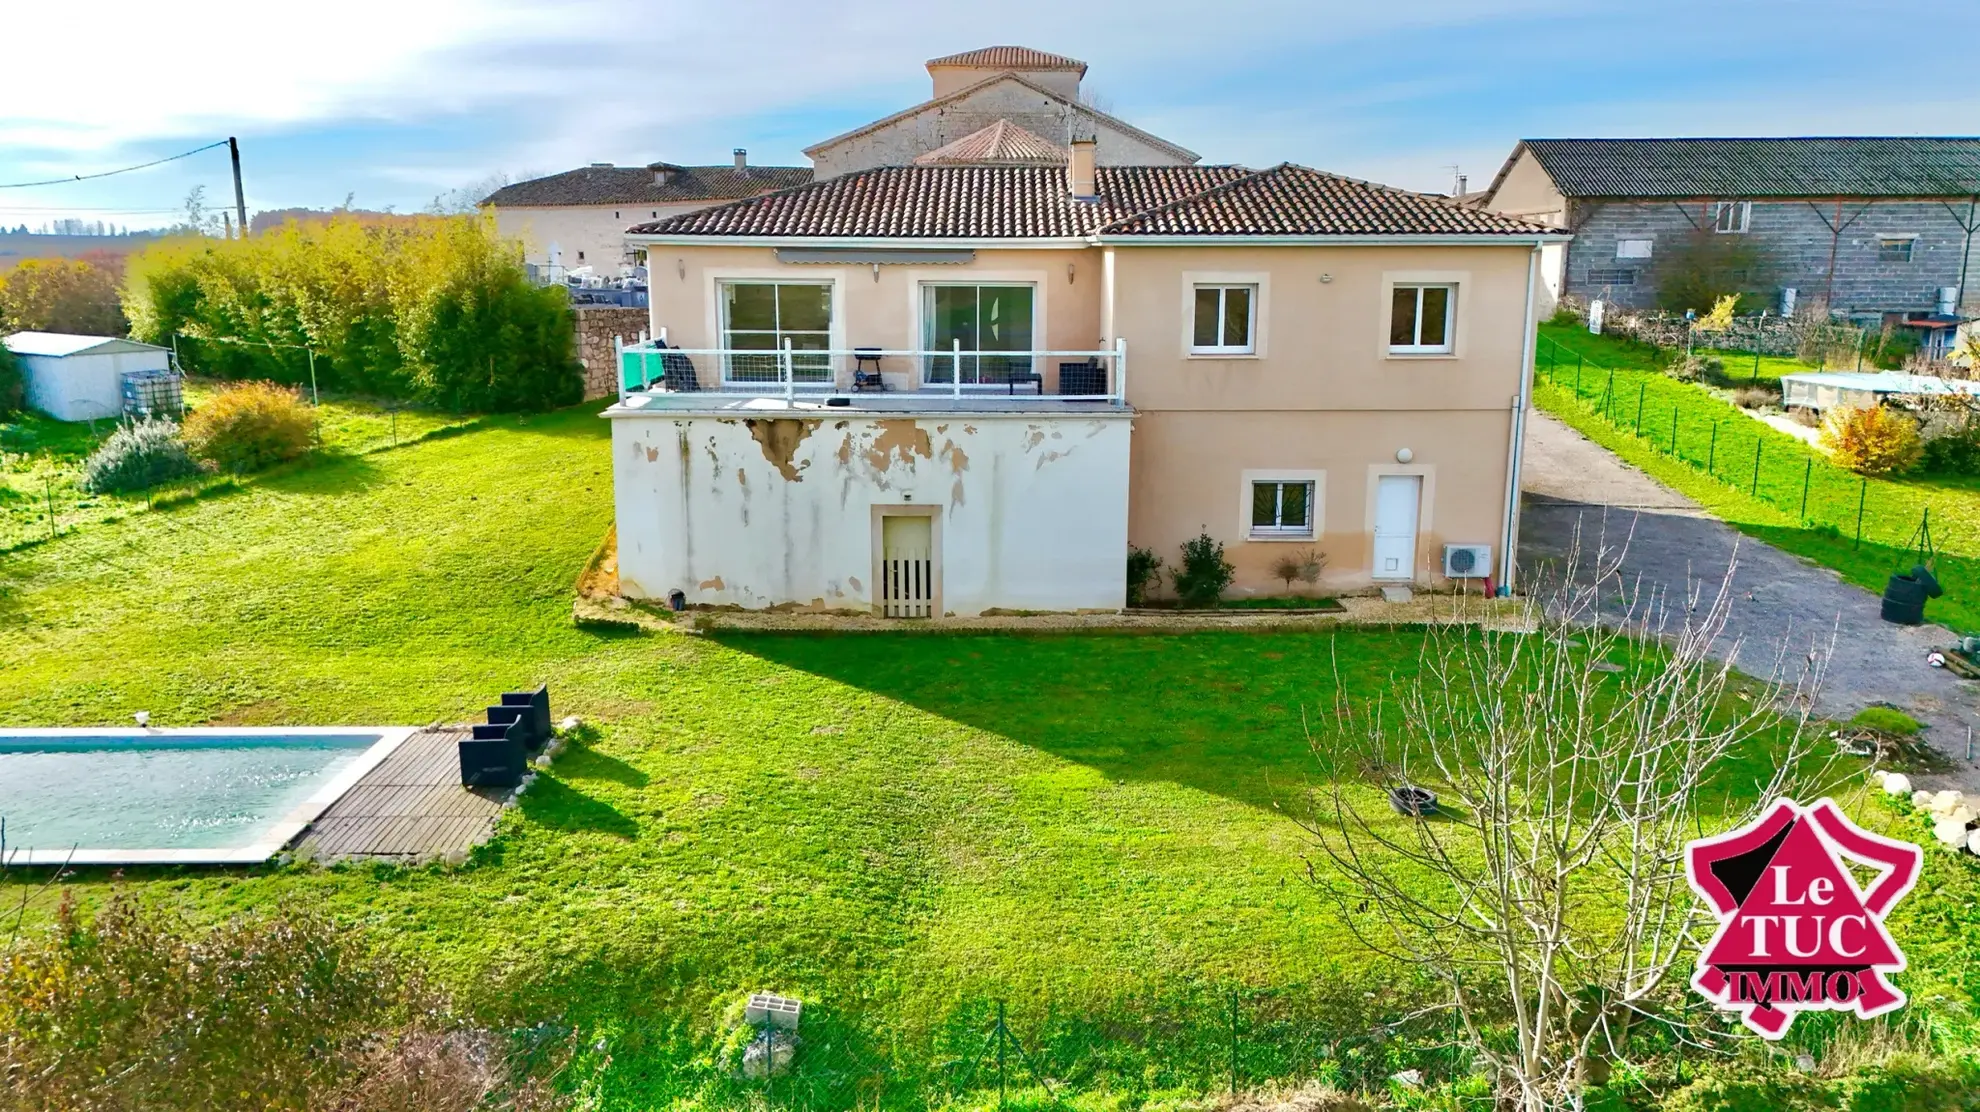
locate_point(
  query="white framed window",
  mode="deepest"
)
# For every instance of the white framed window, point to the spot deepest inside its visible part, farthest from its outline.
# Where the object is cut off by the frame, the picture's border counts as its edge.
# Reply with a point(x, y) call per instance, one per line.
point(1731, 217)
point(1895, 249)
point(1225, 320)
point(761, 316)
point(1634, 248)
point(1281, 505)
point(1422, 319)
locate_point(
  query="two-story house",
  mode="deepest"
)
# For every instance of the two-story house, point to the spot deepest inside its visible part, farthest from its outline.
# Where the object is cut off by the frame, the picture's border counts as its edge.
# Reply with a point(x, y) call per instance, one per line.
point(1867, 228)
point(953, 387)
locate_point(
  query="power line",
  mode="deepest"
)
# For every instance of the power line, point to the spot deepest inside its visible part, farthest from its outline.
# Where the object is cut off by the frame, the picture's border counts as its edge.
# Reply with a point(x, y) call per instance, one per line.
point(109, 173)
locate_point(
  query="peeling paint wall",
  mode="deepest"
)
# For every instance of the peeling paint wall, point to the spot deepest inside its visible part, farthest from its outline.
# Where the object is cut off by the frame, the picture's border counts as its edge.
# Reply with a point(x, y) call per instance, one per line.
point(770, 512)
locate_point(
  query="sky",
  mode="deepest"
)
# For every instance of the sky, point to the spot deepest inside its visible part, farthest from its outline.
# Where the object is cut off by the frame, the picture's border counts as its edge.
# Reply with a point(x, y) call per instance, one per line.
point(390, 104)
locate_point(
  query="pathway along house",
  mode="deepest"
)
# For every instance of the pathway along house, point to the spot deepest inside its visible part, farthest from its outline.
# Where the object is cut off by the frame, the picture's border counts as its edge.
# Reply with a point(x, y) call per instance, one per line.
point(945, 389)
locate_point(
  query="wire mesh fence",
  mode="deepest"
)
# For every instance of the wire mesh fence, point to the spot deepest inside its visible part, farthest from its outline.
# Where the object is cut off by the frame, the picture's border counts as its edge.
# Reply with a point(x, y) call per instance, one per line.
point(1746, 454)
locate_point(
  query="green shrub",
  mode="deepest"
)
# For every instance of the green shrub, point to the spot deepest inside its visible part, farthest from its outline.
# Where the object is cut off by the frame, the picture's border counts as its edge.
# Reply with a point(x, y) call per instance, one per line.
point(1756, 396)
point(139, 455)
point(1954, 454)
point(251, 426)
point(1142, 568)
point(1872, 440)
point(1204, 573)
point(1694, 367)
point(13, 383)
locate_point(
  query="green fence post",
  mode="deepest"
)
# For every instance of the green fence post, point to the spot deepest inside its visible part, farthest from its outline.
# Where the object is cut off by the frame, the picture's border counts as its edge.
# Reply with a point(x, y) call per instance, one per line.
point(1756, 366)
point(1712, 450)
point(1674, 431)
point(1234, 1041)
point(1757, 445)
point(48, 491)
point(1862, 492)
point(1641, 388)
point(1577, 378)
point(1807, 472)
point(1003, 1032)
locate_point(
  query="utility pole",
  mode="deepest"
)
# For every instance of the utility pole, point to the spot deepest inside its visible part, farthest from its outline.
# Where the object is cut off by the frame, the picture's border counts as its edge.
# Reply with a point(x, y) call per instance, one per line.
point(240, 199)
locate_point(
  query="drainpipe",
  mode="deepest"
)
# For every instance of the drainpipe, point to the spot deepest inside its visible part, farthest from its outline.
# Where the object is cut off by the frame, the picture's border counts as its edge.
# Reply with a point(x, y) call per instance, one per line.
point(1516, 446)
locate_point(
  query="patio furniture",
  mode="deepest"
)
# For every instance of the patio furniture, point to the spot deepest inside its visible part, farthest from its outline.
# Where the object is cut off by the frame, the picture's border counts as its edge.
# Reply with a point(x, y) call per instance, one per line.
point(1085, 378)
point(677, 370)
point(864, 379)
point(536, 704)
point(1011, 376)
point(496, 756)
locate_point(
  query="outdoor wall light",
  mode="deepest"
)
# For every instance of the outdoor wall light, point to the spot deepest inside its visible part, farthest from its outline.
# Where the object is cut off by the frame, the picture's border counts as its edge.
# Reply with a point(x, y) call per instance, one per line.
point(680, 267)
point(1326, 278)
point(1069, 274)
point(1404, 455)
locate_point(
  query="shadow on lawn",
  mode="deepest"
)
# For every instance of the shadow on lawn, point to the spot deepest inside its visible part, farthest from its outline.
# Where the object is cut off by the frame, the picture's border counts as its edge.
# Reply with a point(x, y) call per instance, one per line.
point(1218, 712)
point(551, 802)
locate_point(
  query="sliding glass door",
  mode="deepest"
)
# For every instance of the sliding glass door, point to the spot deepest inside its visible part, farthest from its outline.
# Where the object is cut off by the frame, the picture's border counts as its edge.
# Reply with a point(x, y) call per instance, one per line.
point(979, 319)
point(762, 316)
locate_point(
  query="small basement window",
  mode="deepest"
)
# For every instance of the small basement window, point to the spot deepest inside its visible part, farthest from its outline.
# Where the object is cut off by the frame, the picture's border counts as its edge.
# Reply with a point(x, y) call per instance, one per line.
point(1224, 320)
point(1282, 509)
point(1895, 249)
point(1420, 320)
point(1620, 277)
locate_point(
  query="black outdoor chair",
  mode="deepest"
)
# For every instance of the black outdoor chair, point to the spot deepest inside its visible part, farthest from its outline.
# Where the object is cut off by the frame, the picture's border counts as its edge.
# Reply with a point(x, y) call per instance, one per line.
point(676, 370)
point(1011, 375)
point(1086, 378)
point(532, 705)
point(496, 756)
point(864, 379)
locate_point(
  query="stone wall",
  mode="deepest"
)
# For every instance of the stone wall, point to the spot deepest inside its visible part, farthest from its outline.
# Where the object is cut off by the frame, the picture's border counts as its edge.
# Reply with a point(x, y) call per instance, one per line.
point(597, 326)
point(1797, 237)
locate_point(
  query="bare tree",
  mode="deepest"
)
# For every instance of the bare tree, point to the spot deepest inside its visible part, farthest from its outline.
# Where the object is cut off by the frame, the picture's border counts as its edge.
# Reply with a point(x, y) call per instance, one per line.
point(468, 198)
point(1546, 895)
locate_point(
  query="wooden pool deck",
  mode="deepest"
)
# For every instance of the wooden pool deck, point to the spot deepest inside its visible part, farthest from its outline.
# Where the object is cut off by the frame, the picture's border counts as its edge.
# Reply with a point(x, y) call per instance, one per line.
point(410, 808)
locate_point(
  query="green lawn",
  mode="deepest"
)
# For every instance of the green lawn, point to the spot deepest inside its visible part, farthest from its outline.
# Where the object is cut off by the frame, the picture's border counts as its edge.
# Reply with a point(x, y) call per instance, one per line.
point(1702, 445)
point(41, 459)
point(903, 830)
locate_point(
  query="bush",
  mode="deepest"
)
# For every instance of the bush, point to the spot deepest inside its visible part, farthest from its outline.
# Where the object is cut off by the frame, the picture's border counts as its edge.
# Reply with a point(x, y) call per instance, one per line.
point(1204, 573)
point(1698, 368)
point(1756, 396)
point(1304, 565)
point(139, 455)
point(251, 426)
point(1956, 453)
point(63, 295)
point(1142, 568)
point(434, 308)
point(1874, 440)
point(13, 383)
point(139, 1009)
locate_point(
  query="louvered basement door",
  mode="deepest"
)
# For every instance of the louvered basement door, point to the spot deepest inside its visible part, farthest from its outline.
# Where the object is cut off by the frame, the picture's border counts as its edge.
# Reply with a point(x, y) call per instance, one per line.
point(907, 567)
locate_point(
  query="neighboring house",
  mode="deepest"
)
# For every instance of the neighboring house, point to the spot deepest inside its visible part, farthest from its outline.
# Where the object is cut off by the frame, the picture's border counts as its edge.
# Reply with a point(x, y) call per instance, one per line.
point(1077, 358)
point(1861, 226)
point(975, 90)
point(579, 218)
point(81, 378)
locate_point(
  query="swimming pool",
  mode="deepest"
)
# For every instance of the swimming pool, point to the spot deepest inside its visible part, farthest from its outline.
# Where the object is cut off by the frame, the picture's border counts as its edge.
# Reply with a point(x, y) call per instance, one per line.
point(228, 795)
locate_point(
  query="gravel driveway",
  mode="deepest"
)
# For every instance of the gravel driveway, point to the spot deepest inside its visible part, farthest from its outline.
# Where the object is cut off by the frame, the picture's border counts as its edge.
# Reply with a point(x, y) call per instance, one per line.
point(1779, 599)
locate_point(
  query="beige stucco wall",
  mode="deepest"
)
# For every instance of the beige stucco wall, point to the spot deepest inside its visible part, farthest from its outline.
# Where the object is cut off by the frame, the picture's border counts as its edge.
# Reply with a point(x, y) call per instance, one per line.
point(598, 231)
point(954, 79)
point(882, 311)
point(898, 143)
point(1324, 394)
point(1529, 193)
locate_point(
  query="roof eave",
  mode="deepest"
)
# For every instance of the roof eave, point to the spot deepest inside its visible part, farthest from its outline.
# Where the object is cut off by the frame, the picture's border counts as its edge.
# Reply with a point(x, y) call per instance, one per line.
point(956, 242)
point(1392, 239)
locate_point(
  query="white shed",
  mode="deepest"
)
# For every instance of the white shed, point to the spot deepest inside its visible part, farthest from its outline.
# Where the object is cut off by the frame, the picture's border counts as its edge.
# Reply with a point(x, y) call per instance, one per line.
point(1861, 389)
point(80, 378)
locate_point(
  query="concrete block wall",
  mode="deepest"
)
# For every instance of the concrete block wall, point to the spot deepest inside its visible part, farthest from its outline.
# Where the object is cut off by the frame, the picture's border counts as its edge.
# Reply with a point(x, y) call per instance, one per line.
point(1797, 235)
point(597, 326)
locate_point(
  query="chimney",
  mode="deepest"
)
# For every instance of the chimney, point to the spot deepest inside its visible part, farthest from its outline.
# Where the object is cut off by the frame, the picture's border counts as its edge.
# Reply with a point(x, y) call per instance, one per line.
point(1079, 171)
point(742, 159)
point(1464, 184)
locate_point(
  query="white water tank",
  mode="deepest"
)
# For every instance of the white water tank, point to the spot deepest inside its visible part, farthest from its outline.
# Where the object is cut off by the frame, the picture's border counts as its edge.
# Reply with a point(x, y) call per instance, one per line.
point(1948, 300)
point(1787, 301)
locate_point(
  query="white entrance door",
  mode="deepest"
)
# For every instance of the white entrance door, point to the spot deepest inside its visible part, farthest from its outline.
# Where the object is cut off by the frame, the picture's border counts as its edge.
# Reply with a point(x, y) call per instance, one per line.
point(1396, 501)
point(907, 567)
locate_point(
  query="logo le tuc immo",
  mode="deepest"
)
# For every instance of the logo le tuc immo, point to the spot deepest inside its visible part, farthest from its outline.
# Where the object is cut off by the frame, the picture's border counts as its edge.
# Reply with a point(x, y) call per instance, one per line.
point(1796, 933)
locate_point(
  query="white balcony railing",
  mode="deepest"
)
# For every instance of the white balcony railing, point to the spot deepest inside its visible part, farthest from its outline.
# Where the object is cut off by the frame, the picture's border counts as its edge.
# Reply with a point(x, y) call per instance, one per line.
point(653, 366)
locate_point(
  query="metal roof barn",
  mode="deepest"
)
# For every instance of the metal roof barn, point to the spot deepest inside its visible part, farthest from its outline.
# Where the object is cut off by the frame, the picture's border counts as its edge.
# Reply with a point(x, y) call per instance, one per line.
point(80, 378)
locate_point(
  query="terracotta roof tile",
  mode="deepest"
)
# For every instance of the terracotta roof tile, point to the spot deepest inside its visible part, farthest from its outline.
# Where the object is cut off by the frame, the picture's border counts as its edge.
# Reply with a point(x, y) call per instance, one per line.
point(1010, 58)
point(1001, 144)
point(634, 185)
point(1295, 200)
point(1032, 202)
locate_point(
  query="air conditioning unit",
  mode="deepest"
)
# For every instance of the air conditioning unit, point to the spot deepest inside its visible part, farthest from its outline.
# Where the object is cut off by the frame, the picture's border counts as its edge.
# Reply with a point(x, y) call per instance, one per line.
point(1467, 561)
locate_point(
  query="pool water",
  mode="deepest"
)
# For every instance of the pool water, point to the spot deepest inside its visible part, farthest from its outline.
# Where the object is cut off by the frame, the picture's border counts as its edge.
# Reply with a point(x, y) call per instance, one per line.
point(177, 791)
